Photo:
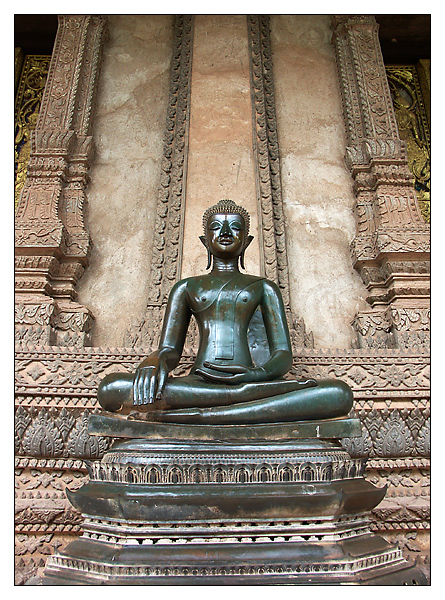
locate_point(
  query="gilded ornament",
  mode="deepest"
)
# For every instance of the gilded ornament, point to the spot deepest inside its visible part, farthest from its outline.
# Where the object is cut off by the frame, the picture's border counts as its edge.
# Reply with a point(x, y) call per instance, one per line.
point(27, 106)
point(411, 114)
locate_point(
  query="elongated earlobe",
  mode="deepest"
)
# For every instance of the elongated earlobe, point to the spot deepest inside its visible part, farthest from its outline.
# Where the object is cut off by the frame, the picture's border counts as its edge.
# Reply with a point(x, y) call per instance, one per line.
point(209, 256)
point(241, 258)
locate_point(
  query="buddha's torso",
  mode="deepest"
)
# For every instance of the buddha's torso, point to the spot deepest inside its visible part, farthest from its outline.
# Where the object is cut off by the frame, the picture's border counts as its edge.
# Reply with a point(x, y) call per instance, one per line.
point(223, 307)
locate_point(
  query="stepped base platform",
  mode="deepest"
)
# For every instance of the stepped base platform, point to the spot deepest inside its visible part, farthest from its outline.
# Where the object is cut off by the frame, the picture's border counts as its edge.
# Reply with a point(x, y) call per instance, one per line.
point(191, 505)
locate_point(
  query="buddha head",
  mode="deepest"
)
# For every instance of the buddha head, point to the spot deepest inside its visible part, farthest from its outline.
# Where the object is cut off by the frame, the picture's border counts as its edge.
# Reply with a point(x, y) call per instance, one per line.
point(226, 231)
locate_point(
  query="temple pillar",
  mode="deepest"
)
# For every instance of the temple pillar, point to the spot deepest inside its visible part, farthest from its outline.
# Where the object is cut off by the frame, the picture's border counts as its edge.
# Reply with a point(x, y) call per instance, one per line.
point(52, 244)
point(391, 247)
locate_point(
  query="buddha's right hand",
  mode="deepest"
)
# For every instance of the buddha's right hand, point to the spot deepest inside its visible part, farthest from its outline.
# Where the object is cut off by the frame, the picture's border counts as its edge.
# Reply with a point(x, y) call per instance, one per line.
point(149, 381)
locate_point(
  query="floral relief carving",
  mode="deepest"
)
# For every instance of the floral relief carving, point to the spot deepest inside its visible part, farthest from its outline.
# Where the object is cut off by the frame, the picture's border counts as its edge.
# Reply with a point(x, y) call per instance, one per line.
point(53, 433)
point(394, 437)
point(42, 437)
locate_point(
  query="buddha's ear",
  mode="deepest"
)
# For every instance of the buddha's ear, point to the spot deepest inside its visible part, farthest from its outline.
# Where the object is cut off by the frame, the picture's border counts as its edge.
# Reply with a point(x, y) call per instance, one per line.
point(248, 241)
point(209, 256)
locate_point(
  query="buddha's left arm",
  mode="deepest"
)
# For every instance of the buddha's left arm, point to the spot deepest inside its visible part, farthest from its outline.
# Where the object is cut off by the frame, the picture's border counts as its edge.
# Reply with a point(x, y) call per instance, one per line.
point(274, 317)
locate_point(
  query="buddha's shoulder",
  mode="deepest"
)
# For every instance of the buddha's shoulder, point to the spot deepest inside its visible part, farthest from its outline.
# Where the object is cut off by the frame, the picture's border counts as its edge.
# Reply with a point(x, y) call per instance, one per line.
point(205, 279)
point(189, 283)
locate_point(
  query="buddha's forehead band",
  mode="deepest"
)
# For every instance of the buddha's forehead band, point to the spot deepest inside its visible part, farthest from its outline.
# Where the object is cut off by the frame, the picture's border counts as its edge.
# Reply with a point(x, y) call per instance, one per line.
point(226, 207)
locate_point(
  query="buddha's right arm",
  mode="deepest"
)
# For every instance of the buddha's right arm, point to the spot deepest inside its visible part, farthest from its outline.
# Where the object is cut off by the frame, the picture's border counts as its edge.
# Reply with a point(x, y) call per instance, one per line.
point(151, 375)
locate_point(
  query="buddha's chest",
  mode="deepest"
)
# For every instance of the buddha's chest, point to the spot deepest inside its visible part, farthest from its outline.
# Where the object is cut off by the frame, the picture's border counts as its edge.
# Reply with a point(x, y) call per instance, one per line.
point(229, 301)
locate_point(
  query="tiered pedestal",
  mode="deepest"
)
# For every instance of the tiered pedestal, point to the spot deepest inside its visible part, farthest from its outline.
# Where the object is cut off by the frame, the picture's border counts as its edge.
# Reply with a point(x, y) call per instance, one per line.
point(194, 505)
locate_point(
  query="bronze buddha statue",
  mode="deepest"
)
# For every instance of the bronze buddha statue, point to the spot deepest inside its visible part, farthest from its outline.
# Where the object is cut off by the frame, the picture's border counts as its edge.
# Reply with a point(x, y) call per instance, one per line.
point(224, 386)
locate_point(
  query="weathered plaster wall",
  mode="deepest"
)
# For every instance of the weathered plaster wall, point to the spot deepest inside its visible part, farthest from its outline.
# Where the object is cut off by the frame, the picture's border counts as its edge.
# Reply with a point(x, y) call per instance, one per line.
point(128, 135)
point(220, 163)
point(317, 188)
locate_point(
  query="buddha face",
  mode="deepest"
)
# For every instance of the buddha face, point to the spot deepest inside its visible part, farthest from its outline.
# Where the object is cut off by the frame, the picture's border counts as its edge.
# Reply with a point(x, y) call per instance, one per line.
point(226, 235)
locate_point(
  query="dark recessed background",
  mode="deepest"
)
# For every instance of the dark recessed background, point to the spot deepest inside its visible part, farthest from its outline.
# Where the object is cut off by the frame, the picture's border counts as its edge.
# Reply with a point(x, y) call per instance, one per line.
point(35, 34)
point(404, 38)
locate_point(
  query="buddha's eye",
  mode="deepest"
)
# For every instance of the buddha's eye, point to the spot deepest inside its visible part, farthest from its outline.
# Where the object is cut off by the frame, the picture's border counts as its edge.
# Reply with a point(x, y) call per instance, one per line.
point(236, 226)
point(214, 226)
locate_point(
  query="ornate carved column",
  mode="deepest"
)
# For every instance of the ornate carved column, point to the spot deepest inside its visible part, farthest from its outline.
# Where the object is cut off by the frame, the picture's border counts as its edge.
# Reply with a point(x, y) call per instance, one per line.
point(52, 244)
point(391, 247)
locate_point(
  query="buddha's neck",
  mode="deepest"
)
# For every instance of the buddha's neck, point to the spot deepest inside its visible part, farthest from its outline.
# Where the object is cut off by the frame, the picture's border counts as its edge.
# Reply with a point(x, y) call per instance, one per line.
point(225, 266)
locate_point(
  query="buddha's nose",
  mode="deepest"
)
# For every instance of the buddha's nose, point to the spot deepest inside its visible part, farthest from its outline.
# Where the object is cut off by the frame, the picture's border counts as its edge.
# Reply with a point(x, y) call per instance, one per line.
point(225, 229)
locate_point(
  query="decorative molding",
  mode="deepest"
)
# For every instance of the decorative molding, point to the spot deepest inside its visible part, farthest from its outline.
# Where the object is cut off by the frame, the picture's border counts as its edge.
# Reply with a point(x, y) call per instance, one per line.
point(96, 569)
point(271, 228)
point(58, 375)
point(201, 468)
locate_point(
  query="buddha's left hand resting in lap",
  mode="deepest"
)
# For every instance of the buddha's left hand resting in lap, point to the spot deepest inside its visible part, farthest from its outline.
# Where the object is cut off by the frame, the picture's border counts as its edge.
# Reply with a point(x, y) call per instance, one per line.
point(224, 386)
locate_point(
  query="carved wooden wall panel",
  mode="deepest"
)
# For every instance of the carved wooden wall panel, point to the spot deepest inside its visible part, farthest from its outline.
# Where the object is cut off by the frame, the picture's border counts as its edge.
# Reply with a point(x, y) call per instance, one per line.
point(31, 73)
point(410, 91)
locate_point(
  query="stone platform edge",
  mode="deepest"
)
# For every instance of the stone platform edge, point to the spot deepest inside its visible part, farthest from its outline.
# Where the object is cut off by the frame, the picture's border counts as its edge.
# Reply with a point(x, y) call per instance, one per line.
point(120, 427)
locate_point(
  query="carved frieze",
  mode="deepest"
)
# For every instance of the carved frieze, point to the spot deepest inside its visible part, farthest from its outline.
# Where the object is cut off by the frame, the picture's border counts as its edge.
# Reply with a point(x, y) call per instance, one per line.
point(56, 389)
